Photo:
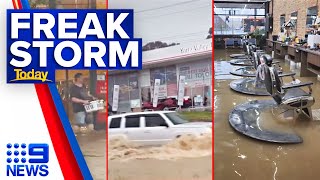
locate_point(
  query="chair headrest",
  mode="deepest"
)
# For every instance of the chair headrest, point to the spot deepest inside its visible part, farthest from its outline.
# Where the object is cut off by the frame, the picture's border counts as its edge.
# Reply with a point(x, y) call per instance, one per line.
point(267, 59)
point(253, 48)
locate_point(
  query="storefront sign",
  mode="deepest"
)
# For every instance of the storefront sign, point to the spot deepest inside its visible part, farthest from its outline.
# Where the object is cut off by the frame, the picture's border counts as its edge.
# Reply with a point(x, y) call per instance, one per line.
point(101, 86)
point(182, 81)
point(115, 100)
point(196, 74)
point(135, 103)
point(196, 48)
point(101, 77)
point(156, 92)
point(162, 91)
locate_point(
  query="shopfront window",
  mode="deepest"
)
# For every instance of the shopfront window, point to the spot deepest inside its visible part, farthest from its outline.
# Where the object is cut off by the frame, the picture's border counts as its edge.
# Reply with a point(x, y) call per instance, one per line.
point(168, 81)
point(129, 94)
point(238, 19)
point(282, 21)
point(312, 14)
point(198, 81)
point(171, 78)
point(294, 21)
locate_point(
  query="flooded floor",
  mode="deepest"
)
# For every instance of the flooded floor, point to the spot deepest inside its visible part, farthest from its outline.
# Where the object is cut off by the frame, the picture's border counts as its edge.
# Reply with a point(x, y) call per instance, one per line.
point(239, 157)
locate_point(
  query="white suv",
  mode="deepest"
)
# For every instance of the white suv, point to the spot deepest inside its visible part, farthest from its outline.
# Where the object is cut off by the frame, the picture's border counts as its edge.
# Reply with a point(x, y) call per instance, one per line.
point(154, 127)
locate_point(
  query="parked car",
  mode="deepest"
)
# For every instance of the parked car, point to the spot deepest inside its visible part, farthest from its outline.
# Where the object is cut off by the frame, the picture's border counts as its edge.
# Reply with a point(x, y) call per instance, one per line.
point(170, 103)
point(163, 104)
point(187, 102)
point(154, 127)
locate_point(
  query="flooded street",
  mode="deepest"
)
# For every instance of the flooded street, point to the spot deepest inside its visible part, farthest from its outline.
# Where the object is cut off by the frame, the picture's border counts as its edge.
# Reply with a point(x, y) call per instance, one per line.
point(187, 158)
point(93, 147)
point(239, 157)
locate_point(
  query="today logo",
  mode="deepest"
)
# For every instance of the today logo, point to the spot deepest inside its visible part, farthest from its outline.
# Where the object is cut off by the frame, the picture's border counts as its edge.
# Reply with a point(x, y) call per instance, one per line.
point(31, 75)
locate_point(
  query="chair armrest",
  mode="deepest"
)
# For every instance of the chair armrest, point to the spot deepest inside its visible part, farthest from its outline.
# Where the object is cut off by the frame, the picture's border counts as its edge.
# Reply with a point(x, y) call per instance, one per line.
point(287, 74)
point(290, 86)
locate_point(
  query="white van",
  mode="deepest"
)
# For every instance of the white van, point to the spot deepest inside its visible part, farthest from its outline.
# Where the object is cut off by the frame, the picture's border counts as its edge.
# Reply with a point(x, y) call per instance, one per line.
point(154, 127)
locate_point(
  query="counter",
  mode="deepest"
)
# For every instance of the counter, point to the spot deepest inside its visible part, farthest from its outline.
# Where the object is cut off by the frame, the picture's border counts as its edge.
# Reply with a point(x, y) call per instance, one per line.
point(309, 59)
point(280, 49)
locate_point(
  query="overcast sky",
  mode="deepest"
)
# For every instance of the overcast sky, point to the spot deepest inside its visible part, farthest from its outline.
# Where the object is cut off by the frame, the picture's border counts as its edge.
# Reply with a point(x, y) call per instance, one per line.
point(169, 20)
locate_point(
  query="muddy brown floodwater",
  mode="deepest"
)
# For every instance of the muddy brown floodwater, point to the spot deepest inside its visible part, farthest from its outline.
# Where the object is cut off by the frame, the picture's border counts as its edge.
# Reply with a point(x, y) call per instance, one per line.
point(186, 158)
point(93, 147)
point(239, 157)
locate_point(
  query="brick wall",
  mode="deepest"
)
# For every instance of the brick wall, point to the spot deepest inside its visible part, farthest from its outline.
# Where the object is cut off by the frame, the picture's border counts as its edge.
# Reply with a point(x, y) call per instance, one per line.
point(289, 6)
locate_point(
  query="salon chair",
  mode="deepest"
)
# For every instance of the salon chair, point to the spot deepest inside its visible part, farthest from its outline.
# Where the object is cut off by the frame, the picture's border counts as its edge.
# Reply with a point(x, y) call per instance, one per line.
point(291, 96)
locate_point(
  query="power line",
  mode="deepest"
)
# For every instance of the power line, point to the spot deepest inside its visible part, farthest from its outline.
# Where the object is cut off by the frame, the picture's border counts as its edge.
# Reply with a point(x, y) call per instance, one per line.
point(167, 6)
point(176, 12)
point(181, 36)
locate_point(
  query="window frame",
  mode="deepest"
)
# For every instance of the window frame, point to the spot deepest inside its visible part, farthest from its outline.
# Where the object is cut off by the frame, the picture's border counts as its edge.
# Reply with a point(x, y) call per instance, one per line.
point(119, 123)
point(155, 114)
point(125, 122)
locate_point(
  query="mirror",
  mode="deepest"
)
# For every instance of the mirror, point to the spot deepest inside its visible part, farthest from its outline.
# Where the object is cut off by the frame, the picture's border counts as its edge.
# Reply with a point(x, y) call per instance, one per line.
point(282, 21)
point(294, 20)
point(312, 13)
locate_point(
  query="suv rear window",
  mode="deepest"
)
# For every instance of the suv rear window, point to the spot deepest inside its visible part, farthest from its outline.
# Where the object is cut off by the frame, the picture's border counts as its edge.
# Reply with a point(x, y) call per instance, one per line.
point(132, 121)
point(115, 122)
point(154, 120)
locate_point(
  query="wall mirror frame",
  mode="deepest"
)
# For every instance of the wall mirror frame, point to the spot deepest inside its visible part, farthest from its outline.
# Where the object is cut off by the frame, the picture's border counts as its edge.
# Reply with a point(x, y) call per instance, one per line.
point(282, 21)
point(312, 13)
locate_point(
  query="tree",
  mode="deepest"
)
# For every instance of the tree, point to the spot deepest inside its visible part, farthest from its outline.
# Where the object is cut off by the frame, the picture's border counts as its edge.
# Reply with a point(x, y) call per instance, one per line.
point(157, 45)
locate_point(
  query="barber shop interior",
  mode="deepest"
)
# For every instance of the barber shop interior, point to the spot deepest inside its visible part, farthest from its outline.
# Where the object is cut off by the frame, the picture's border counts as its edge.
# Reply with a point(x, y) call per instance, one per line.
point(266, 89)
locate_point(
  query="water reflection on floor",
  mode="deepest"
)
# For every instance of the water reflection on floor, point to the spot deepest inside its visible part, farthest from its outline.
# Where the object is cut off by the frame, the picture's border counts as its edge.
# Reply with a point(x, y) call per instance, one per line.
point(238, 157)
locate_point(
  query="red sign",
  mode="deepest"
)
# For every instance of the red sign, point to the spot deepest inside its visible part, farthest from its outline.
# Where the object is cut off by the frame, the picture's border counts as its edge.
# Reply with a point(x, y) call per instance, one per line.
point(101, 87)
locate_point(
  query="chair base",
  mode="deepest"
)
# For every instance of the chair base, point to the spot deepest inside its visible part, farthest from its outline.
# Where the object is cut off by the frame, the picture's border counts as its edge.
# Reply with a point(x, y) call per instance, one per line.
point(248, 71)
point(246, 86)
point(241, 62)
point(245, 118)
point(238, 56)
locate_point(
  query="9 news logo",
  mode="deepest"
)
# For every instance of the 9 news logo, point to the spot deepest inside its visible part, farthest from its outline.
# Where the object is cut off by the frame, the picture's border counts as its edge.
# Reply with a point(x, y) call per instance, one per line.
point(27, 160)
